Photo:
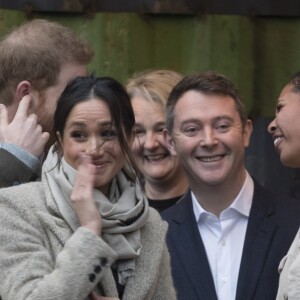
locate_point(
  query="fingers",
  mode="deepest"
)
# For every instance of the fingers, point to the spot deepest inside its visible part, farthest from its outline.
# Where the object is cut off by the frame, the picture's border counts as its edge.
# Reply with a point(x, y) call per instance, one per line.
point(85, 176)
point(3, 117)
point(24, 130)
point(23, 107)
point(82, 196)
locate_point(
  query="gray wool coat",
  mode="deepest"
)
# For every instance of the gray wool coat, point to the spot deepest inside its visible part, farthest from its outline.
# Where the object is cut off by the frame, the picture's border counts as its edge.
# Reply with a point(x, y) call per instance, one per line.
point(41, 258)
point(289, 268)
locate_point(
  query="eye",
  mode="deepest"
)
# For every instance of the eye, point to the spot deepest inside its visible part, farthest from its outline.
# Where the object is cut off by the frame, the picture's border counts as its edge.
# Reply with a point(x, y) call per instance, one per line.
point(278, 107)
point(190, 130)
point(223, 127)
point(160, 130)
point(139, 131)
point(109, 134)
point(78, 135)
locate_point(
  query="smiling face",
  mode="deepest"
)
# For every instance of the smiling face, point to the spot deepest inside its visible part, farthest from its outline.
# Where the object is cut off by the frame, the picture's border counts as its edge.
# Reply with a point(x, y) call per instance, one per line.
point(153, 156)
point(210, 140)
point(285, 128)
point(89, 130)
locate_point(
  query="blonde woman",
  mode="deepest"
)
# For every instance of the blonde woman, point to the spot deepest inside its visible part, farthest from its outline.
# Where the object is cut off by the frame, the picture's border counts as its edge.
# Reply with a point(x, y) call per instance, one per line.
point(164, 180)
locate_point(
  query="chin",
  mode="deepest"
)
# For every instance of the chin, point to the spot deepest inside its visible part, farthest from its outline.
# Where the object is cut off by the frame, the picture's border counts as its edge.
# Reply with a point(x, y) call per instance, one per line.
point(290, 163)
point(214, 180)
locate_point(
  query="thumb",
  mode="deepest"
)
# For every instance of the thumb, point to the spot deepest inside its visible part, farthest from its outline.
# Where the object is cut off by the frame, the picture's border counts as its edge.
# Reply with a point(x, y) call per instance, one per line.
point(3, 117)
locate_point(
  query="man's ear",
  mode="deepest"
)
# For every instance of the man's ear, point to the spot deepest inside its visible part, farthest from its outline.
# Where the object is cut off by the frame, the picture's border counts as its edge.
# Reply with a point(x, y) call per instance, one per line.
point(247, 133)
point(169, 142)
point(23, 88)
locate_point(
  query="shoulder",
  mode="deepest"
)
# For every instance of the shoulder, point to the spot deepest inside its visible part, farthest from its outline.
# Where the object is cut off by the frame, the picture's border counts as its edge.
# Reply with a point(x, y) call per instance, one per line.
point(29, 188)
point(282, 208)
point(23, 197)
point(266, 197)
point(155, 221)
point(178, 209)
point(155, 228)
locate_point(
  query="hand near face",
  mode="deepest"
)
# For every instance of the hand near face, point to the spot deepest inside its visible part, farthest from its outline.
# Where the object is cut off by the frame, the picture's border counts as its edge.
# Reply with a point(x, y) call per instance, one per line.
point(82, 196)
point(23, 131)
point(94, 296)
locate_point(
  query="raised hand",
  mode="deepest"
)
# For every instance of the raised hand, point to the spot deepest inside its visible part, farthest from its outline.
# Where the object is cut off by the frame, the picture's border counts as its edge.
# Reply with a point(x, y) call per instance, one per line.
point(82, 196)
point(23, 131)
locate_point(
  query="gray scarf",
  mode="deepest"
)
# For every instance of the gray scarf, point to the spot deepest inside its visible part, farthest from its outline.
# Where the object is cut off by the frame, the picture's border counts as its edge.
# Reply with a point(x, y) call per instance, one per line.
point(123, 213)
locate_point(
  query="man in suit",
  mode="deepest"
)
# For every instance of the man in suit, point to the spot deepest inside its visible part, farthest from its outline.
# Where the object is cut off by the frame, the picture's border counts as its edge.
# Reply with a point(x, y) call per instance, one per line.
point(228, 234)
point(37, 61)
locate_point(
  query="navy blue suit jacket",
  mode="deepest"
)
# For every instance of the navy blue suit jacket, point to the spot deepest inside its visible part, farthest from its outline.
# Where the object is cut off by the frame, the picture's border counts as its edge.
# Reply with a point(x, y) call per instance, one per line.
point(272, 226)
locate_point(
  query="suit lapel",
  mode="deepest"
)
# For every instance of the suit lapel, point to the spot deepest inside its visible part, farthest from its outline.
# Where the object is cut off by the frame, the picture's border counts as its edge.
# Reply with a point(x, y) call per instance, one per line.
point(260, 232)
point(188, 245)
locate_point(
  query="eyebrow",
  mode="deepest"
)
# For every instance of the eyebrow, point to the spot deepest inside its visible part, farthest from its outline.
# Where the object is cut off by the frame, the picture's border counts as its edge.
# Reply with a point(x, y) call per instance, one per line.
point(216, 119)
point(224, 117)
point(83, 125)
point(156, 124)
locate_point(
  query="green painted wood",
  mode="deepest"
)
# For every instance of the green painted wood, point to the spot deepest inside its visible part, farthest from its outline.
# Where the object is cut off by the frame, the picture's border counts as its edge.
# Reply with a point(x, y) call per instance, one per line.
point(277, 57)
point(258, 54)
point(10, 19)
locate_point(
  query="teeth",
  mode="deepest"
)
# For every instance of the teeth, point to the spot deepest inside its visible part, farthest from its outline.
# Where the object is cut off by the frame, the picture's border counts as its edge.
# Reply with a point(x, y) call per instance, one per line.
point(276, 141)
point(155, 157)
point(211, 158)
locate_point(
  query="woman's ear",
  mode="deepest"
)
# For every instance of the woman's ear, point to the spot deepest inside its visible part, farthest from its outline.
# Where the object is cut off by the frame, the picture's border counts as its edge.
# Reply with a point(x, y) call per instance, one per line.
point(169, 142)
point(23, 88)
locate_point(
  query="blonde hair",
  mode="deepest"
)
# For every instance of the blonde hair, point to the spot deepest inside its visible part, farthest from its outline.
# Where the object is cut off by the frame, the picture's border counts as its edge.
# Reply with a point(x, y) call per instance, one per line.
point(153, 85)
point(36, 51)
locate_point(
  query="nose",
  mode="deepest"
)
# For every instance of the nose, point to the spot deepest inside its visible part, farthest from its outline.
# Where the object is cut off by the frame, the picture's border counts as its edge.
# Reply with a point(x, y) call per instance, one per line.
point(150, 140)
point(209, 139)
point(272, 127)
point(94, 146)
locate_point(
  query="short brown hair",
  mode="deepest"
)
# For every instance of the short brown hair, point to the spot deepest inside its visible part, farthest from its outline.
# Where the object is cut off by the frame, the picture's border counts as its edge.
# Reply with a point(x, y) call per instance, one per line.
point(209, 83)
point(36, 51)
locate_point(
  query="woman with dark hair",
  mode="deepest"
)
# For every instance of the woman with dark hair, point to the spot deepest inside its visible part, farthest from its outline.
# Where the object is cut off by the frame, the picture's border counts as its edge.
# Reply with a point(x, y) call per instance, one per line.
point(285, 130)
point(85, 231)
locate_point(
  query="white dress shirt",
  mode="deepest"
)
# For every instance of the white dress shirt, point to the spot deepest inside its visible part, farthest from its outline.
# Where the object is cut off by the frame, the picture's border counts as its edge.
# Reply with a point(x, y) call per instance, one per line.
point(223, 239)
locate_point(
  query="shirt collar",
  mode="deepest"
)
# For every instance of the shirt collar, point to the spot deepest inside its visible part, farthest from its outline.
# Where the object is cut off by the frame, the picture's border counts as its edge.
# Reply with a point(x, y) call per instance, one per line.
point(242, 203)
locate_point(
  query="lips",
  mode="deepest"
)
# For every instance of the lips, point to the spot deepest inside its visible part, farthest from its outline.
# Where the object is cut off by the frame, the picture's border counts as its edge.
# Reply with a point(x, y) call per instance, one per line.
point(155, 157)
point(100, 164)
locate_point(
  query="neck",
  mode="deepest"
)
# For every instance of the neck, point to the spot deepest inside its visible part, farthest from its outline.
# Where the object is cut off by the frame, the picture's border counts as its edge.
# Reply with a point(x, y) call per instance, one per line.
point(165, 190)
point(216, 198)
